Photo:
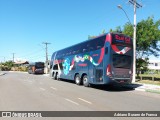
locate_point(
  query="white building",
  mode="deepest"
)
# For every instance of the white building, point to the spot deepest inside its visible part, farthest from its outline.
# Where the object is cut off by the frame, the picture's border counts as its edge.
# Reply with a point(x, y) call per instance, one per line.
point(154, 65)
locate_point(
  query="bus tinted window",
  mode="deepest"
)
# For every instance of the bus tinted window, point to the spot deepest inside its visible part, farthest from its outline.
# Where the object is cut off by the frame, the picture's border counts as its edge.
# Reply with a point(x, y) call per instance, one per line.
point(90, 45)
point(84, 47)
point(98, 43)
point(121, 61)
point(39, 65)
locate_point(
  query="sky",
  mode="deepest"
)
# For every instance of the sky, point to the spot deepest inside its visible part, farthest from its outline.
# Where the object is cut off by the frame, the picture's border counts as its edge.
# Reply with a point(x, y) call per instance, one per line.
point(26, 24)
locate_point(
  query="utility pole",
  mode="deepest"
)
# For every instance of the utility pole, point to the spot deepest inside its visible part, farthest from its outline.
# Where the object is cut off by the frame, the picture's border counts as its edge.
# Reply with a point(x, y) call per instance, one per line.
point(46, 43)
point(135, 5)
point(13, 57)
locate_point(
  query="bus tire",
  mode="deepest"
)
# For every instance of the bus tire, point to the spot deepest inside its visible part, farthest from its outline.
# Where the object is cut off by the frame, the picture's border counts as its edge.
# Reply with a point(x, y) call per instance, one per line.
point(77, 79)
point(56, 76)
point(53, 75)
point(86, 81)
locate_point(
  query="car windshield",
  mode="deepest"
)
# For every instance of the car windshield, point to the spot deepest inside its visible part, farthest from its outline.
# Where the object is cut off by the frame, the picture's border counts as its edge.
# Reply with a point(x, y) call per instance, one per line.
point(39, 65)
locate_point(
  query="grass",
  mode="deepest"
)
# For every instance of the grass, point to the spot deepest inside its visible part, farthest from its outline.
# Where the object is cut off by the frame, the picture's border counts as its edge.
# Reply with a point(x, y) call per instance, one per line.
point(150, 75)
point(147, 81)
point(153, 91)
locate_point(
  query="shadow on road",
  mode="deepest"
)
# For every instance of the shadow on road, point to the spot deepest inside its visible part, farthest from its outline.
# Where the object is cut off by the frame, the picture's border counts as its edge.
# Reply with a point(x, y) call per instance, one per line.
point(111, 88)
point(117, 88)
point(1, 74)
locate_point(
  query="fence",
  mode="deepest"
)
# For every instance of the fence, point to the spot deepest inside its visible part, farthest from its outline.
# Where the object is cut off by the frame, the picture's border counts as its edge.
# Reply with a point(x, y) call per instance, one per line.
point(153, 78)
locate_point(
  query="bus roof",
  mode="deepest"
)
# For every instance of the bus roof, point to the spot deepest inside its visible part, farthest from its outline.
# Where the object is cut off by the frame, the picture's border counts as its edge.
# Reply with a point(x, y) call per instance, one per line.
point(89, 40)
point(83, 41)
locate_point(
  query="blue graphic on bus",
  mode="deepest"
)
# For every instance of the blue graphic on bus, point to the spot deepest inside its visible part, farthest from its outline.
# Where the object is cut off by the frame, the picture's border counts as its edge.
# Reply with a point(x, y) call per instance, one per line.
point(66, 66)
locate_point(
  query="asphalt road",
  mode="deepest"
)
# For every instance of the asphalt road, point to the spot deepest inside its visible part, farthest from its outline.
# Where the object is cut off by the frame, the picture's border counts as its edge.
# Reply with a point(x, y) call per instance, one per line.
point(27, 92)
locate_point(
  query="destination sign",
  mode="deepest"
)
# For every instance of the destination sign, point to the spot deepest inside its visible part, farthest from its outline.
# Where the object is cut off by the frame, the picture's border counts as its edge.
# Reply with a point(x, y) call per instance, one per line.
point(121, 39)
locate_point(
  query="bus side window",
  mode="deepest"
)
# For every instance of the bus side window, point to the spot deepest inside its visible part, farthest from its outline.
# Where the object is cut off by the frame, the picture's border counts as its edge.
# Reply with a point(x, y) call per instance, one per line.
point(73, 52)
point(98, 47)
point(85, 47)
point(84, 50)
point(92, 46)
point(99, 43)
point(78, 51)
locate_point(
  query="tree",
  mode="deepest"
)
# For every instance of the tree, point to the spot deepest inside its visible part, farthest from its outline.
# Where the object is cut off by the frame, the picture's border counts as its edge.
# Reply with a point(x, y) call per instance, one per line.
point(117, 30)
point(141, 65)
point(7, 65)
point(147, 38)
point(93, 36)
point(148, 35)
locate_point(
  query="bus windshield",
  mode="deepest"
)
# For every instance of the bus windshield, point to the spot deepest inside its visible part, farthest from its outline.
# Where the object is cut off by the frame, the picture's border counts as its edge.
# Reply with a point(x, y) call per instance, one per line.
point(39, 65)
point(121, 61)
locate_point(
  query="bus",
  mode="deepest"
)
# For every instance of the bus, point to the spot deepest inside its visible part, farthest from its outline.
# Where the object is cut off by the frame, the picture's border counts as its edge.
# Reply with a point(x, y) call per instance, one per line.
point(106, 59)
point(36, 68)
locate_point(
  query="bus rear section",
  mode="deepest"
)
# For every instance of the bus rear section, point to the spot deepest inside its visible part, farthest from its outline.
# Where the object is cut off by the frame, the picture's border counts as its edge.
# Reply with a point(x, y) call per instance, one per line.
point(119, 69)
point(36, 68)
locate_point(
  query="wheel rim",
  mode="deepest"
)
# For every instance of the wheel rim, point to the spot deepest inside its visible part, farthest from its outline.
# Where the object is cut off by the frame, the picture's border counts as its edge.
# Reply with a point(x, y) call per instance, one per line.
point(85, 80)
point(52, 75)
point(77, 80)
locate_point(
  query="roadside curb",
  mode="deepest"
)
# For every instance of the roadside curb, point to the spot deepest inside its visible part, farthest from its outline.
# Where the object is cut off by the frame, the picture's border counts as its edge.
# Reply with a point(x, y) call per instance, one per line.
point(153, 91)
point(47, 75)
point(17, 72)
point(148, 88)
point(140, 89)
point(2, 74)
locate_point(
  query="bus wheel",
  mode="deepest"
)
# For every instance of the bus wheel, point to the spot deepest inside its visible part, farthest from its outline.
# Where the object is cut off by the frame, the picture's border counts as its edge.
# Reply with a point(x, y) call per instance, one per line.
point(77, 79)
point(53, 75)
point(56, 76)
point(85, 81)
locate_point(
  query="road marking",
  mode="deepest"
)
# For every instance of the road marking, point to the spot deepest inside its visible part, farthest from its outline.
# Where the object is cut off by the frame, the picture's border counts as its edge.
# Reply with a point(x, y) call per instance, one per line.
point(53, 88)
point(43, 89)
point(72, 101)
point(85, 100)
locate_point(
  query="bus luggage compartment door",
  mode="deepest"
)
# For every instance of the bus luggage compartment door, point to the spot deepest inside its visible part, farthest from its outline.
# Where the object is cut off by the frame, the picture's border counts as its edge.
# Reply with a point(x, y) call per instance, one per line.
point(99, 74)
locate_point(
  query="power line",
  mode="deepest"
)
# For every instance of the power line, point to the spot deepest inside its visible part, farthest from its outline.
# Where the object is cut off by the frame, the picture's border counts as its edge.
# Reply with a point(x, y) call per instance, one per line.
point(133, 2)
point(32, 53)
